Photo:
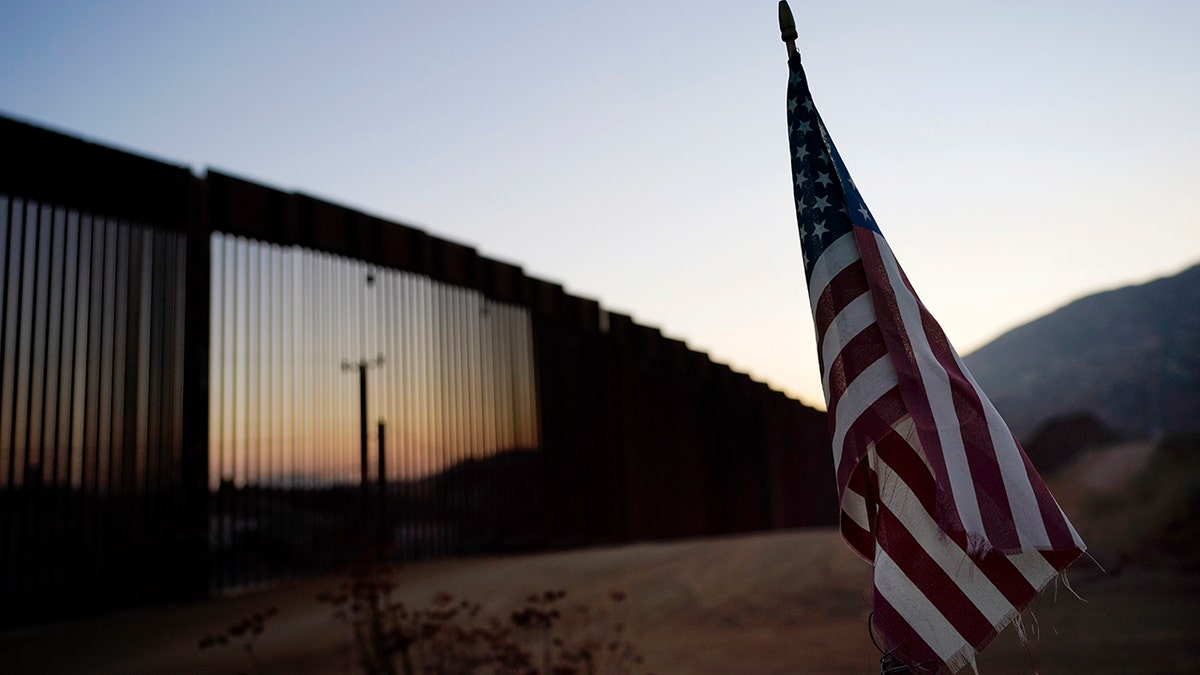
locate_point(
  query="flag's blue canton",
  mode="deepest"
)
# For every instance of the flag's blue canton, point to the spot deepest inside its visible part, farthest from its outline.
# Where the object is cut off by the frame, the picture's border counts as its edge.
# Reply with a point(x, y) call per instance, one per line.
point(827, 202)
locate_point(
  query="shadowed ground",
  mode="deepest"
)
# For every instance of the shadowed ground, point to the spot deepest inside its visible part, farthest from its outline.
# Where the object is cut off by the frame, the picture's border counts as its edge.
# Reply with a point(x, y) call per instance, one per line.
point(792, 602)
point(786, 602)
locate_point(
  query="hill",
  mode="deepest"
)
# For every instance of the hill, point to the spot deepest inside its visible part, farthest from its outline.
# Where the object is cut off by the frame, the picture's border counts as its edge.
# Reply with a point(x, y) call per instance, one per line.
point(1130, 357)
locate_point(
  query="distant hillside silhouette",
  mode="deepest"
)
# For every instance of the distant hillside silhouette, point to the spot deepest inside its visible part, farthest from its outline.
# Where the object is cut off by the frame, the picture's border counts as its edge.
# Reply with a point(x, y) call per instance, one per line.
point(1063, 439)
point(1130, 357)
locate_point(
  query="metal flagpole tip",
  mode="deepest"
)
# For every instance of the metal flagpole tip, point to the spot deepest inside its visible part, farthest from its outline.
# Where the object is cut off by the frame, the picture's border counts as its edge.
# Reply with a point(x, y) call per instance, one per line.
point(787, 26)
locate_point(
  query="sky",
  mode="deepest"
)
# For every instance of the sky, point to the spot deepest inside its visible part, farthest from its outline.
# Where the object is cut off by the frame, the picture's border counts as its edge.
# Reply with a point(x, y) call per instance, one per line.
point(1017, 155)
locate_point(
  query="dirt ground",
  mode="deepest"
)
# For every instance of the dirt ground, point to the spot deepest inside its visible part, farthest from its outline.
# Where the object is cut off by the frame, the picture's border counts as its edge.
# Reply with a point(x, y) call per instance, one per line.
point(787, 602)
point(784, 602)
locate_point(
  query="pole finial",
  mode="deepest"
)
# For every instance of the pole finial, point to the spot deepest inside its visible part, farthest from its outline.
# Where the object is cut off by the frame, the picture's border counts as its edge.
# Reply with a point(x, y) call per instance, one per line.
point(787, 26)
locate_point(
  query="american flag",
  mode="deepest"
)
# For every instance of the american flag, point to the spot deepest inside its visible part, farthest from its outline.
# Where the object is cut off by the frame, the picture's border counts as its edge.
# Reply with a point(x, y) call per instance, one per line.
point(934, 490)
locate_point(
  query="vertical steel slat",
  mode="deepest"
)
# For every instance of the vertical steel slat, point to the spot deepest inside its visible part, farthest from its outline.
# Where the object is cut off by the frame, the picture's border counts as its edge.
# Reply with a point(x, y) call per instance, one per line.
point(138, 353)
point(150, 414)
point(150, 408)
point(488, 402)
point(36, 411)
point(298, 386)
point(50, 375)
point(321, 400)
point(118, 379)
point(259, 410)
point(237, 421)
point(449, 363)
point(187, 374)
point(267, 481)
point(471, 422)
point(66, 403)
point(144, 515)
point(131, 347)
point(151, 402)
point(93, 381)
point(251, 490)
point(411, 405)
point(321, 356)
point(356, 407)
point(418, 397)
point(329, 348)
point(9, 267)
point(106, 357)
point(51, 469)
point(402, 424)
point(216, 361)
point(485, 449)
point(295, 391)
point(447, 343)
point(437, 422)
point(450, 398)
point(22, 385)
point(307, 341)
point(383, 397)
point(343, 445)
point(249, 400)
point(424, 403)
point(462, 331)
point(441, 362)
point(230, 511)
point(11, 339)
point(322, 295)
point(217, 398)
point(150, 367)
point(119, 536)
point(454, 338)
point(267, 442)
point(36, 487)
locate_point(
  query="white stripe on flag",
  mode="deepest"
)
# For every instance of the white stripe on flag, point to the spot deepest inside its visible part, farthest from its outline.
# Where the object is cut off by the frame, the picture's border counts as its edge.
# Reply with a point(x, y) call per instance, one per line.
point(911, 604)
point(836, 257)
point(1034, 567)
point(941, 401)
point(854, 506)
point(852, 320)
point(873, 382)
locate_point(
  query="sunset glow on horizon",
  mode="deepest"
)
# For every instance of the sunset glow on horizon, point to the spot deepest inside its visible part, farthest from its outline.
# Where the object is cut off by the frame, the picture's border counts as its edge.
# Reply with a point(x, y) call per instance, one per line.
point(455, 382)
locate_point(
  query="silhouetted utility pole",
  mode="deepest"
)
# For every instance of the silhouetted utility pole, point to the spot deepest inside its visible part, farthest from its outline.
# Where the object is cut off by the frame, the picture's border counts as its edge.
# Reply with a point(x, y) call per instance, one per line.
point(365, 487)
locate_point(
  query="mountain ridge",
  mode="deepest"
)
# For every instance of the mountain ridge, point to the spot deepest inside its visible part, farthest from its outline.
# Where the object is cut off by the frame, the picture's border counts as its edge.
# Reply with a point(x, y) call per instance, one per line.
point(1130, 356)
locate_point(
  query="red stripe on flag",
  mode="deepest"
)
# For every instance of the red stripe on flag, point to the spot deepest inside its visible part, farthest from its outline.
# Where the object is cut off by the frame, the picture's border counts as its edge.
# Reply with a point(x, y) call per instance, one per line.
point(1007, 578)
point(898, 454)
point(841, 290)
point(931, 580)
point(874, 423)
point(907, 645)
point(1057, 527)
point(859, 539)
point(856, 355)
